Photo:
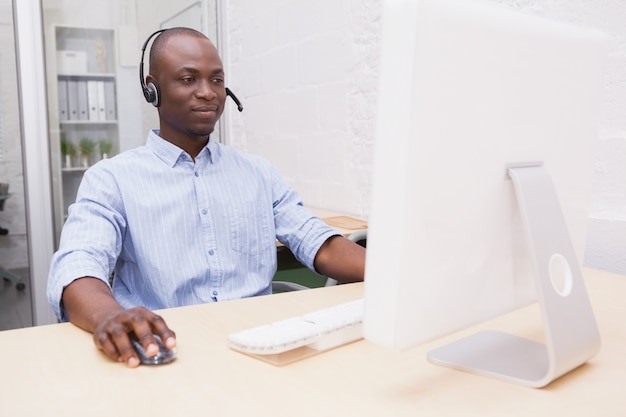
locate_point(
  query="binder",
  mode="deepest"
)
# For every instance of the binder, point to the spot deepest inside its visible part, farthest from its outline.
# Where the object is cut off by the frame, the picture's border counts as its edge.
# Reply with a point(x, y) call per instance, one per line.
point(109, 100)
point(101, 101)
point(92, 99)
point(83, 109)
point(62, 96)
point(72, 99)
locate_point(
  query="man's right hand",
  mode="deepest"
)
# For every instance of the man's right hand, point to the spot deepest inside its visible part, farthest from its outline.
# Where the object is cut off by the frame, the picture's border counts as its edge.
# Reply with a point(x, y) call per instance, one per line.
point(112, 336)
point(91, 306)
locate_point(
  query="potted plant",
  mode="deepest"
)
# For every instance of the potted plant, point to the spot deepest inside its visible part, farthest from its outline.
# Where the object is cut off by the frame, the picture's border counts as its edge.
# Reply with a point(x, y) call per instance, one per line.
point(87, 148)
point(68, 150)
point(105, 148)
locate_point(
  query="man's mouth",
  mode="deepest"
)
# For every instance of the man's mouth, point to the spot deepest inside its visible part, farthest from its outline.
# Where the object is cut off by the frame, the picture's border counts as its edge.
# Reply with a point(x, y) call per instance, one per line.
point(205, 109)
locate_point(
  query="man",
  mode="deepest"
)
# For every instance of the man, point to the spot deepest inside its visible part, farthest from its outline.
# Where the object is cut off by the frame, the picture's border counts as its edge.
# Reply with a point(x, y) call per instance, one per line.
point(182, 220)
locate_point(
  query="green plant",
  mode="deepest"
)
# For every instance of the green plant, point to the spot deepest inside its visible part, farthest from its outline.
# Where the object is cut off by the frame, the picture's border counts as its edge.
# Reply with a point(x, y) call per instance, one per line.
point(68, 148)
point(105, 147)
point(86, 147)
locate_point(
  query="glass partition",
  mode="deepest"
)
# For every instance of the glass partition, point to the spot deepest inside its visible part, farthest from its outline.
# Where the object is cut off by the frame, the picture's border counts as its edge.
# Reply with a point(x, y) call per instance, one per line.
point(15, 288)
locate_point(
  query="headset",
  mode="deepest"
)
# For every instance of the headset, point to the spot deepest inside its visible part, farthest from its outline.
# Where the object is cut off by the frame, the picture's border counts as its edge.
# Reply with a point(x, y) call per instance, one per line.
point(151, 90)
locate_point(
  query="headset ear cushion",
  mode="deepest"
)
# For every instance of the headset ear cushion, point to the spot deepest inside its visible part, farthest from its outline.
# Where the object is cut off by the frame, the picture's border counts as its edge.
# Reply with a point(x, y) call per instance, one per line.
point(151, 93)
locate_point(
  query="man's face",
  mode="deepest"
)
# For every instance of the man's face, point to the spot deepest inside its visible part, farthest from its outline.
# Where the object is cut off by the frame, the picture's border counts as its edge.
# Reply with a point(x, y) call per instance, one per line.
point(190, 77)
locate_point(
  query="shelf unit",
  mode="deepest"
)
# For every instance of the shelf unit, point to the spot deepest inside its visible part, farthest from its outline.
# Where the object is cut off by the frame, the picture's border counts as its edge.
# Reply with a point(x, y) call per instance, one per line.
point(85, 107)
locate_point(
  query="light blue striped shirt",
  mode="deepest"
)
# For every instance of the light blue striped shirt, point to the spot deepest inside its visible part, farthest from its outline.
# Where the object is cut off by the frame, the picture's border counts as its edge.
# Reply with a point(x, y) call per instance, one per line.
point(177, 232)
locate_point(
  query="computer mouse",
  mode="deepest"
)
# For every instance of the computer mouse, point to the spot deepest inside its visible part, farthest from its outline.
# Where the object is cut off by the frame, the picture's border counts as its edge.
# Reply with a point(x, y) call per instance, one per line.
point(163, 356)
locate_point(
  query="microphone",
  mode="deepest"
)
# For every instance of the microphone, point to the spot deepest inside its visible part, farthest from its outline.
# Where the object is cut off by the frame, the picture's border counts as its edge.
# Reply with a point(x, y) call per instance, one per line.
point(235, 99)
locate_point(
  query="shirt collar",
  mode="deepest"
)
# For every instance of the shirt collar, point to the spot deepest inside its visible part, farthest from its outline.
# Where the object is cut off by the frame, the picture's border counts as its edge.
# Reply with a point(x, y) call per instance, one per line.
point(170, 153)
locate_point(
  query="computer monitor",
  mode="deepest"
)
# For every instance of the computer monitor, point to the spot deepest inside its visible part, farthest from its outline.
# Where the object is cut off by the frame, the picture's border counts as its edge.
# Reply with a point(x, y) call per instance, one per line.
point(467, 91)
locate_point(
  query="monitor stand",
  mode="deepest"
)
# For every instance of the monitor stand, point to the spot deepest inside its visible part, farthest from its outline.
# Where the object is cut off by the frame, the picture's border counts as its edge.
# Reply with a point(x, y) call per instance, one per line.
point(571, 334)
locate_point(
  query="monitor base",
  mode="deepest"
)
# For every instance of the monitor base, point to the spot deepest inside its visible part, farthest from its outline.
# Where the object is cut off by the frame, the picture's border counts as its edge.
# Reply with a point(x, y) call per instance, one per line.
point(571, 333)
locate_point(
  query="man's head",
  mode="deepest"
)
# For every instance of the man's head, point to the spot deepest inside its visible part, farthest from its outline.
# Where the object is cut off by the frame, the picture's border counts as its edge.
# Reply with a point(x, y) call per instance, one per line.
point(187, 70)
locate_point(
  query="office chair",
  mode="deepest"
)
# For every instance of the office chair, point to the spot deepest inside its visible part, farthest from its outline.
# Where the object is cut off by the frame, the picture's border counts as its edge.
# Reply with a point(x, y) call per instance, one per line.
point(286, 286)
point(359, 237)
point(4, 273)
point(4, 195)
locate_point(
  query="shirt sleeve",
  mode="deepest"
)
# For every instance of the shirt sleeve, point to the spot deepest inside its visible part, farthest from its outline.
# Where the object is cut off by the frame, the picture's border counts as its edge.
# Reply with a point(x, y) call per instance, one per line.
point(91, 237)
point(296, 227)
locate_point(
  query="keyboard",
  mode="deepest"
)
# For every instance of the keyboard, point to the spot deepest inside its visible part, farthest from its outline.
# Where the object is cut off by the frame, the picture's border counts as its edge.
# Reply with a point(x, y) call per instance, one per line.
point(320, 330)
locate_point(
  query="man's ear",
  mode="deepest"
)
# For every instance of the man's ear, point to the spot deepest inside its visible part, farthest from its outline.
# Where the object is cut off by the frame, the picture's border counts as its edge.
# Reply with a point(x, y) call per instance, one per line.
point(151, 92)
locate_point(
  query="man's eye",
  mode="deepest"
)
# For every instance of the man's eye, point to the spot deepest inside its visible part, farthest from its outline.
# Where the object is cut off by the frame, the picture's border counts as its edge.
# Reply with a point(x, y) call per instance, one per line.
point(187, 79)
point(218, 80)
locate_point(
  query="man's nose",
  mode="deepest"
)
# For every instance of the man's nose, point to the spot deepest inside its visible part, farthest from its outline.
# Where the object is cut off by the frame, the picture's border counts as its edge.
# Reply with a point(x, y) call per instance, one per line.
point(205, 90)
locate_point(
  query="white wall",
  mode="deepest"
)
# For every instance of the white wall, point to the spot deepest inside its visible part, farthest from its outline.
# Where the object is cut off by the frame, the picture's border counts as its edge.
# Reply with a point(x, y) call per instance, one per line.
point(307, 73)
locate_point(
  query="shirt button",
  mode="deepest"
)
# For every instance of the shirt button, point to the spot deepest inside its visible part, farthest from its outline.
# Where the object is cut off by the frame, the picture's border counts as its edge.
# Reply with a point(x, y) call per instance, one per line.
point(196, 174)
point(215, 293)
point(204, 211)
point(211, 252)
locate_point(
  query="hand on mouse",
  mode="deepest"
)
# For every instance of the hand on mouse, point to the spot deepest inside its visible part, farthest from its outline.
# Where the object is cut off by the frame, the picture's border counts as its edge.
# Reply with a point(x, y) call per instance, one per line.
point(112, 335)
point(91, 306)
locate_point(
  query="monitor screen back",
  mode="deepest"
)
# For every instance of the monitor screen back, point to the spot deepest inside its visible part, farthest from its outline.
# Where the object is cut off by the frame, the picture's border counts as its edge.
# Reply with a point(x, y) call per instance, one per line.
point(467, 88)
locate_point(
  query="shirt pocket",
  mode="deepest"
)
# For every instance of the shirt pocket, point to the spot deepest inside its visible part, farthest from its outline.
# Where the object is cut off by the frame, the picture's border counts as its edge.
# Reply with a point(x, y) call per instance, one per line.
point(252, 229)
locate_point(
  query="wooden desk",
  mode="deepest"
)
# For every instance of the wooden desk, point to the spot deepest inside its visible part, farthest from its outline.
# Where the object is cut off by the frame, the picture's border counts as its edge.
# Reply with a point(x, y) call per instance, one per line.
point(55, 370)
point(344, 224)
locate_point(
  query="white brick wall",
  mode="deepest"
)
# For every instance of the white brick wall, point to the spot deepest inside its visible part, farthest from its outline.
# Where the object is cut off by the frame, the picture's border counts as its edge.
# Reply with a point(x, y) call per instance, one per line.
point(307, 73)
